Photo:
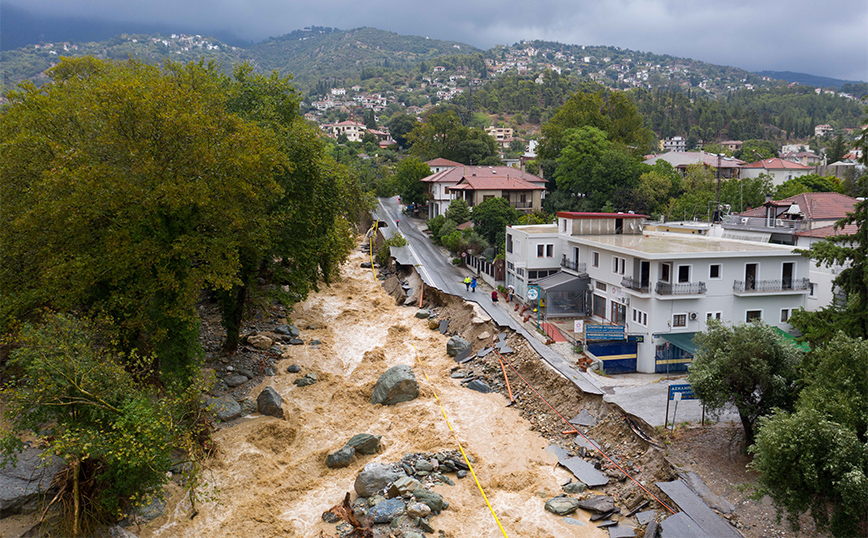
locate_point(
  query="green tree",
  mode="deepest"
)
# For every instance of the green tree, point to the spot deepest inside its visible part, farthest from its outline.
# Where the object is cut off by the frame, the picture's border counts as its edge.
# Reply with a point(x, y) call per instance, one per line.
point(747, 365)
point(407, 178)
point(754, 150)
point(119, 198)
point(399, 126)
point(592, 166)
point(491, 217)
point(443, 135)
point(458, 211)
point(837, 150)
point(816, 458)
point(594, 106)
point(76, 396)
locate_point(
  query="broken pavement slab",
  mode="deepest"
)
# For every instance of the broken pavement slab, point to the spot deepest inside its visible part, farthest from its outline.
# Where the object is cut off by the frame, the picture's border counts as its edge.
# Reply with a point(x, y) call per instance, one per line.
point(681, 526)
point(584, 418)
point(463, 355)
point(697, 510)
point(582, 470)
point(621, 531)
point(714, 500)
point(444, 325)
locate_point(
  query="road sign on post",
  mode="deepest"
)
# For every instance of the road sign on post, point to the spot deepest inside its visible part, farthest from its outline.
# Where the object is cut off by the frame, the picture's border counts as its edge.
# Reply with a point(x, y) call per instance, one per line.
point(677, 392)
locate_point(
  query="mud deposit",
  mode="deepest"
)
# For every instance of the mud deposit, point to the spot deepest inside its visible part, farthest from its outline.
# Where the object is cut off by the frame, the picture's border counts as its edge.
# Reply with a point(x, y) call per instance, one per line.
point(271, 475)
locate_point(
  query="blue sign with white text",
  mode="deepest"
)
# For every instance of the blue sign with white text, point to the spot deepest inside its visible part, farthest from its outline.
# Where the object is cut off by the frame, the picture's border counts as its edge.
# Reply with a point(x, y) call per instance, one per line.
point(685, 390)
point(604, 332)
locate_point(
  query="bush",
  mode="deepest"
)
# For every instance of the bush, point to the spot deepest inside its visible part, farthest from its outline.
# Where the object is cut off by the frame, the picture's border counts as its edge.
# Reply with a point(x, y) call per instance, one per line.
point(435, 224)
point(396, 240)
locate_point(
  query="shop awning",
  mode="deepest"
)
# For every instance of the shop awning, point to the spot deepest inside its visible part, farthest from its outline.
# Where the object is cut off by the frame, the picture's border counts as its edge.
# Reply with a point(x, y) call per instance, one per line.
point(792, 339)
point(681, 340)
point(563, 282)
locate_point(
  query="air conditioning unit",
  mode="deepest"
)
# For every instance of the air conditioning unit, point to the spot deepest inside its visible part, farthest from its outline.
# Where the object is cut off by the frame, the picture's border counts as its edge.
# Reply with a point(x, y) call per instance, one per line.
point(625, 301)
point(693, 316)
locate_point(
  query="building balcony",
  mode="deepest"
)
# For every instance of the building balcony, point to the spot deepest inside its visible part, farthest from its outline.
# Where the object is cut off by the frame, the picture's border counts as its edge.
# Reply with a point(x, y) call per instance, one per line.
point(784, 286)
point(764, 224)
point(578, 267)
point(635, 285)
point(522, 205)
point(684, 288)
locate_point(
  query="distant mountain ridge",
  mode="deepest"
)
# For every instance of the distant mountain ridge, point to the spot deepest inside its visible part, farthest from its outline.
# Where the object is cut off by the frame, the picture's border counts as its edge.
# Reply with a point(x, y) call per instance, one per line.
point(807, 79)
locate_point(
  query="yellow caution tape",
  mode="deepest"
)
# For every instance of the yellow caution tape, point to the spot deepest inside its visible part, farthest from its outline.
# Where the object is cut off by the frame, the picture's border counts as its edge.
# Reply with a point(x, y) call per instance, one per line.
point(461, 448)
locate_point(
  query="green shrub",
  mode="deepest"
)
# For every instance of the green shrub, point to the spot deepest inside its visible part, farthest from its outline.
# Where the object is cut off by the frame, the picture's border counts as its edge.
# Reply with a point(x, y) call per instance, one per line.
point(396, 240)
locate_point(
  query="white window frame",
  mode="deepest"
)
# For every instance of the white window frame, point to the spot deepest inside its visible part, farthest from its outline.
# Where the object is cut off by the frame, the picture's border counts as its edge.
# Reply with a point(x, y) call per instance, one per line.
point(785, 314)
point(640, 317)
point(660, 272)
point(812, 290)
point(689, 273)
point(719, 271)
point(595, 259)
point(619, 265)
point(713, 315)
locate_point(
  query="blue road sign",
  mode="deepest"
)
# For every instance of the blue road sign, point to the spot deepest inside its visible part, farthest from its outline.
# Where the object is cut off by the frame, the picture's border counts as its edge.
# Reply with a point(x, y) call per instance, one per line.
point(685, 390)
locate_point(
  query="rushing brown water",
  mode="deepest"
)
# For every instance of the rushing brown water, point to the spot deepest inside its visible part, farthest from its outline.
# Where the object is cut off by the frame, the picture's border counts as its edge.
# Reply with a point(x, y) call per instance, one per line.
point(271, 476)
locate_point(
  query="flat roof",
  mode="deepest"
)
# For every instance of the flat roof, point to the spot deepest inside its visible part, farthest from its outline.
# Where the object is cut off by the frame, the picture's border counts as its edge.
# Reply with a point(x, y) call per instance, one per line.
point(662, 246)
point(536, 228)
point(583, 215)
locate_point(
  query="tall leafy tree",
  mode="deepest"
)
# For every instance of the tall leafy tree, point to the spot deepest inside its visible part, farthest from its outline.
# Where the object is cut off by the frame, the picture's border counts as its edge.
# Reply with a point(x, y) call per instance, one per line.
point(128, 189)
point(443, 135)
point(816, 459)
point(399, 126)
point(458, 211)
point(407, 178)
point(748, 366)
point(491, 217)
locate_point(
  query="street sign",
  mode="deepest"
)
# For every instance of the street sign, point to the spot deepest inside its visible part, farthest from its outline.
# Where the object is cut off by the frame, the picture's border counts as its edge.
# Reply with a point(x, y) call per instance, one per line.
point(604, 332)
point(579, 326)
point(684, 392)
point(533, 294)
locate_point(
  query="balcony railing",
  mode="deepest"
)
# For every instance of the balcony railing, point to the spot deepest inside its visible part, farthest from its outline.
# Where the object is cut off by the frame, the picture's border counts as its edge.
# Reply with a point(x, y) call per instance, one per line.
point(573, 265)
point(686, 288)
point(522, 205)
point(735, 221)
point(636, 285)
point(759, 286)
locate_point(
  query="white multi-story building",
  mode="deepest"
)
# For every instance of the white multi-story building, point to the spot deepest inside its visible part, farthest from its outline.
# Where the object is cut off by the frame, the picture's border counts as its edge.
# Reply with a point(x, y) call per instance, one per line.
point(662, 288)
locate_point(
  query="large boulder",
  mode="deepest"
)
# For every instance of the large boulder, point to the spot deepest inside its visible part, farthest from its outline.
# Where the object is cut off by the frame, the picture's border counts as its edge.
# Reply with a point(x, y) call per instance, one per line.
point(386, 511)
point(270, 403)
point(365, 443)
point(397, 384)
point(598, 503)
point(456, 345)
point(374, 478)
point(562, 506)
point(433, 500)
point(21, 485)
point(260, 342)
point(341, 458)
point(224, 408)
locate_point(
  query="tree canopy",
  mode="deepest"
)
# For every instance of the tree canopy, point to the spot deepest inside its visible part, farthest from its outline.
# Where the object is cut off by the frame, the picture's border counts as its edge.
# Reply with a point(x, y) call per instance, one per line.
point(407, 179)
point(491, 217)
point(442, 134)
point(747, 365)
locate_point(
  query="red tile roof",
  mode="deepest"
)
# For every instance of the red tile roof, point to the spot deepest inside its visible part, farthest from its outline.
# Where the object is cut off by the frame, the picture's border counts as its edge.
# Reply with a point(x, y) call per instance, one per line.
point(454, 175)
point(828, 231)
point(777, 164)
point(814, 205)
point(442, 162)
point(502, 183)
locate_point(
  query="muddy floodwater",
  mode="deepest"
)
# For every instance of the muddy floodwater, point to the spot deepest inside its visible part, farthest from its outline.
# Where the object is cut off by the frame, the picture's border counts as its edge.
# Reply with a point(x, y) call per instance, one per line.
point(270, 475)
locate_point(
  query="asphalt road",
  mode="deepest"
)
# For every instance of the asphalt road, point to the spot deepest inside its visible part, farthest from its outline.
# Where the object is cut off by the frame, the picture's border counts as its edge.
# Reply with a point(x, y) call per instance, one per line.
point(437, 271)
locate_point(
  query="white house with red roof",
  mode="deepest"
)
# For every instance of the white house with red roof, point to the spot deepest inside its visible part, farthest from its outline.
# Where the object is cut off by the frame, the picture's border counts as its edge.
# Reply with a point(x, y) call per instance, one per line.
point(523, 190)
point(729, 166)
point(354, 131)
point(779, 170)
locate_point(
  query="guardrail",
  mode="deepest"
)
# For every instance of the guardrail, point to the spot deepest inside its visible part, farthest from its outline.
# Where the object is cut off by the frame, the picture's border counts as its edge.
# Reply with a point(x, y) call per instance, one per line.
point(633, 284)
point(573, 265)
point(747, 286)
point(686, 288)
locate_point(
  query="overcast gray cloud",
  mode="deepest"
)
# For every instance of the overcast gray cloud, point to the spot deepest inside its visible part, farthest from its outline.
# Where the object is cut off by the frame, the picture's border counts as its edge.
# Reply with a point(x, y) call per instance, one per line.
point(829, 38)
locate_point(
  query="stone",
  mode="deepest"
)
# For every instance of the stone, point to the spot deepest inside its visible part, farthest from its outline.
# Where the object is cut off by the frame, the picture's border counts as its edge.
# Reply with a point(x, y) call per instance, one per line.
point(456, 345)
point(235, 380)
point(479, 386)
point(425, 526)
point(224, 408)
point(247, 406)
point(403, 486)
point(458, 375)
point(433, 500)
point(418, 510)
point(249, 374)
point(270, 403)
point(575, 487)
point(484, 335)
point(293, 369)
point(288, 330)
point(296, 342)
point(260, 342)
point(571, 521)
point(562, 506)
point(308, 379)
point(22, 484)
point(365, 443)
point(386, 511)
point(315, 342)
point(374, 478)
point(652, 529)
point(461, 474)
point(423, 465)
point(397, 384)
point(598, 503)
point(341, 458)
point(433, 324)
point(423, 313)
point(365, 265)
point(152, 510)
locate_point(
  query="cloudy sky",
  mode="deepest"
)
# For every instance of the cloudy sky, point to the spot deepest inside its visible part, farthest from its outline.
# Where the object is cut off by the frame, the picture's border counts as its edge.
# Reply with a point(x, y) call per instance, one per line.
point(821, 38)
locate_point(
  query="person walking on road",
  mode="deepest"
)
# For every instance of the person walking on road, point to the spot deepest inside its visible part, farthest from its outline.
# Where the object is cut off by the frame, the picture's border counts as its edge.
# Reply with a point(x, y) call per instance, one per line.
point(467, 283)
point(473, 284)
point(493, 296)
